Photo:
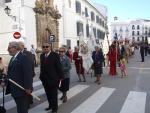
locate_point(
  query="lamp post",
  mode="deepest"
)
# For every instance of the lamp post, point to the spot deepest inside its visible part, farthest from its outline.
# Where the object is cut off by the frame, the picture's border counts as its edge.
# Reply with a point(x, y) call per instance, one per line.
point(7, 10)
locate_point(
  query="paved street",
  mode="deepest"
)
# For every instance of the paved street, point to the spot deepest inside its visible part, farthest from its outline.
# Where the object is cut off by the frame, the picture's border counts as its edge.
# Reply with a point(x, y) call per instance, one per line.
point(115, 95)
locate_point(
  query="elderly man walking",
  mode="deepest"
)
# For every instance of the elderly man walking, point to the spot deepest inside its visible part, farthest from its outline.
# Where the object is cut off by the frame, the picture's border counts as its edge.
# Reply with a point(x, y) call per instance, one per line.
point(50, 74)
point(20, 71)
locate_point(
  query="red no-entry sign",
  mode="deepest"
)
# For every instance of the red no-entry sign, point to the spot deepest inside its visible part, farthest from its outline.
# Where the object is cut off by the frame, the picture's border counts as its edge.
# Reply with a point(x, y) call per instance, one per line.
point(17, 35)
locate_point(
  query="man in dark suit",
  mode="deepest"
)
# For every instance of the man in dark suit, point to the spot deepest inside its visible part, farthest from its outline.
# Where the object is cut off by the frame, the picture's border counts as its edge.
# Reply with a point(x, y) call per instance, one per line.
point(142, 49)
point(50, 75)
point(20, 71)
point(31, 59)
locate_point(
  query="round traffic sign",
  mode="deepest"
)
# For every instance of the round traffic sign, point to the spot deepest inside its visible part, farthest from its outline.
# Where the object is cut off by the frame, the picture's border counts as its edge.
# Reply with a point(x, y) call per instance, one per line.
point(17, 35)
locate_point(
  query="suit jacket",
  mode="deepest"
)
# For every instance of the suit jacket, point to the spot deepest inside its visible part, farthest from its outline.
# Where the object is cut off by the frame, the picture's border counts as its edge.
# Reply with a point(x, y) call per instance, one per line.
point(31, 59)
point(20, 71)
point(50, 69)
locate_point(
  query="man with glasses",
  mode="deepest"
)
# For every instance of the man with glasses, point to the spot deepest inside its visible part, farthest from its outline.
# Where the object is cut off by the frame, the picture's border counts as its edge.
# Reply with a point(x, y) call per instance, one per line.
point(20, 71)
point(50, 74)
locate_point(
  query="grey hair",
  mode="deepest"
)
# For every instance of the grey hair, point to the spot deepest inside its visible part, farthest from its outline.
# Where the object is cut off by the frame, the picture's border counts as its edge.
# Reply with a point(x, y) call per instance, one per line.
point(21, 42)
point(15, 45)
point(64, 48)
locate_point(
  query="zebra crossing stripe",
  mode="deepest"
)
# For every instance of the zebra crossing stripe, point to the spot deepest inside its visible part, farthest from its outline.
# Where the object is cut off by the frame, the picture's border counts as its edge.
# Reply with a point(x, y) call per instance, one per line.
point(135, 103)
point(37, 83)
point(71, 93)
point(11, 104)
point(95, 101)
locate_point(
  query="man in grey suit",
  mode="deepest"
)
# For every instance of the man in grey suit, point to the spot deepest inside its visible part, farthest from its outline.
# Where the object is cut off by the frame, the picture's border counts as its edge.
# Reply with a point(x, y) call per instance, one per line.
point(20, 71)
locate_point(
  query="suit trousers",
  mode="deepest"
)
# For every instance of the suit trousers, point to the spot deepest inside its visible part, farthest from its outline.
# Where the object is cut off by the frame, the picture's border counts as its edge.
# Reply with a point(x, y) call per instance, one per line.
point(52, 96)
point(22, 104)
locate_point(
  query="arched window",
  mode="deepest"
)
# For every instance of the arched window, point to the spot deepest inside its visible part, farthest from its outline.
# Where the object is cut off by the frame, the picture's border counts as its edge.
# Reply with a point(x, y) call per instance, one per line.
point(80, 29)
point(138, 27)
point(92, 16)
point(138, 33)
point(133, 33)
point(138, 39)
point(87, 30)
point(78, 7)
point(133, 27)
point(94, 31)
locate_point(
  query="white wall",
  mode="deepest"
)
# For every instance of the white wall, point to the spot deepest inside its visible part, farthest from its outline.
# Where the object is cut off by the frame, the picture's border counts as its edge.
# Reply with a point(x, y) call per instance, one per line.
point(25, 18)
point(68, 28)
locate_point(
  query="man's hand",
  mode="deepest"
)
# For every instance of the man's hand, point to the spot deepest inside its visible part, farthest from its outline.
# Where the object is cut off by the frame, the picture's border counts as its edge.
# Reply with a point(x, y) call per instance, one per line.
point(28, 91)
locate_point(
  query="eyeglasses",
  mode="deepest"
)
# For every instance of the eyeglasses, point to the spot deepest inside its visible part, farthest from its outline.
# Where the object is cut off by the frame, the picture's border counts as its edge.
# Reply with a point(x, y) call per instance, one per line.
point(45, 46)
point(9, 48)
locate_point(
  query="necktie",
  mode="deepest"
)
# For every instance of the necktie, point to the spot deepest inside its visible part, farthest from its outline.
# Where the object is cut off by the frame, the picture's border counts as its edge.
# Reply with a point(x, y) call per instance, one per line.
point(11, 61)
point(46, 59)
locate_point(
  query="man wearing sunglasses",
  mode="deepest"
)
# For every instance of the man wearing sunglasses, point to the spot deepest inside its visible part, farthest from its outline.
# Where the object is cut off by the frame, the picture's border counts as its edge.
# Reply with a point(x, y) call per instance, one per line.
point(50, 74)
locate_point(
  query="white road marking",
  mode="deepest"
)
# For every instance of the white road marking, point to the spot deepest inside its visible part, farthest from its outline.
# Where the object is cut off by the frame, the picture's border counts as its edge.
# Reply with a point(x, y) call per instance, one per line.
point(11, 104)
point(71, 93)
point(94, 102)
point(37, 83)
point(135, 103)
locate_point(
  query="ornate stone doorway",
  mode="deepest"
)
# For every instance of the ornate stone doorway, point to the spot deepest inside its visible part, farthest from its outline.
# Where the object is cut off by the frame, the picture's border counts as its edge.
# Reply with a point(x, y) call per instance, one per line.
point(46, 22)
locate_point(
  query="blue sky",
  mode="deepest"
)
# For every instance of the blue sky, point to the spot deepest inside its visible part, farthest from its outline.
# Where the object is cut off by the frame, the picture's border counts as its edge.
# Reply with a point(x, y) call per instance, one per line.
point(126, 9)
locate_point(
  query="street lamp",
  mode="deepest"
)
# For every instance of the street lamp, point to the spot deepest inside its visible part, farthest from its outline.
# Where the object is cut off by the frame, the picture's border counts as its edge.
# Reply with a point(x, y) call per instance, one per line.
point(7, 10)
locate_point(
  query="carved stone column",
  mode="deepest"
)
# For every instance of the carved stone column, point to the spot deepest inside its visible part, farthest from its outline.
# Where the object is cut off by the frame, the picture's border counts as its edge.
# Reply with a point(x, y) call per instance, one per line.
point(46, 22)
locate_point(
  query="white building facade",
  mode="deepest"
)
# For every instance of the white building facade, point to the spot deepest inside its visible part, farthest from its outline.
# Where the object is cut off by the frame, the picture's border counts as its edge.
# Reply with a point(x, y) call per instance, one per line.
point(80, 19)
point(133, 30)
point(21, 19)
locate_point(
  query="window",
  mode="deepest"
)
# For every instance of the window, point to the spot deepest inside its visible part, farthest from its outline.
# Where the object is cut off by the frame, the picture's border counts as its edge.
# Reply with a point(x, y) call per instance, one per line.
point(92, 16)
point(97, 19)
point(146, 33)
point(7, 1)
point(78, 7)
point(121, 30)
point(146, 40)
point(138, 39)
point(133, 38)
point(94, 31)
point(103, 24)
point(138, 27)
point(98, 34)
point(133, 33)
point(87, 30)
point(78, 43)
point(79, 28)
point(86, 12)
point(100, 21)
point(133, 27)
point(68, 43)
point(138, 33)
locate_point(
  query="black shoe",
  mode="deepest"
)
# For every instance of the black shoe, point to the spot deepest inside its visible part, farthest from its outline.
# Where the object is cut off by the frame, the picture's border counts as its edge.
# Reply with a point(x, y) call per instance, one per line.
point(48, 108)
point(65, 99)
point(61, 98)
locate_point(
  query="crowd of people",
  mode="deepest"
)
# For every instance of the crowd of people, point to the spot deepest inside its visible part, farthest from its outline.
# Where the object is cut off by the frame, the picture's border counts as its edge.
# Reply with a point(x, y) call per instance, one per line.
point(55, 70)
